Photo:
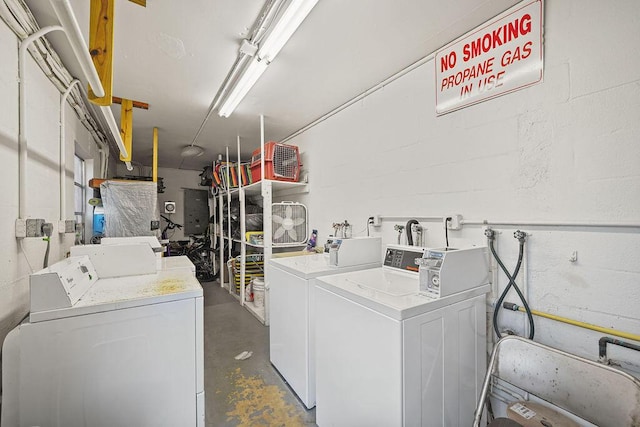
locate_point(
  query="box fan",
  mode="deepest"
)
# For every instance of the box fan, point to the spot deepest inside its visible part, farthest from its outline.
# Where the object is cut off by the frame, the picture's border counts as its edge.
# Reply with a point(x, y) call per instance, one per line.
point(289, 223)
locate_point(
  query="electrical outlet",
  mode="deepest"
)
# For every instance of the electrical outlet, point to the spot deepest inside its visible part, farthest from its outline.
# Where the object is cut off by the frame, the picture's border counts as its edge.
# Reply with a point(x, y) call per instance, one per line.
point(21, 228)
point(34, 227)
point(455, 223)
point(377, 220)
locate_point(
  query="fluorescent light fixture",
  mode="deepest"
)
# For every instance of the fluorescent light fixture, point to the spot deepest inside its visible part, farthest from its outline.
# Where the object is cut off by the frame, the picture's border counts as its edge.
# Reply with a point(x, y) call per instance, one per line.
point(251, 74)
point(282, 30)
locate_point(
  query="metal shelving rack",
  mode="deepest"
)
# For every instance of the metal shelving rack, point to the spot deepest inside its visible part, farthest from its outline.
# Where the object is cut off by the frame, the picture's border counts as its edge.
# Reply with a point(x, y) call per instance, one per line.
point(266, 189)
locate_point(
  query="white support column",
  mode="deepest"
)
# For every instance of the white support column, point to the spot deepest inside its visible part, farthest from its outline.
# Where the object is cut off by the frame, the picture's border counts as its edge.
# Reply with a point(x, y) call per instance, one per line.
point(229, 239)
point(243, 227)
point(266, 221)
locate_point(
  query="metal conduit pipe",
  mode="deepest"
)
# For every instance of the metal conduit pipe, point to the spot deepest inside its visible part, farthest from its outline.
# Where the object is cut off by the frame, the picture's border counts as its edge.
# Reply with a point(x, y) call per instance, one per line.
point(572, 224)
point(22, 107)
point(22, 23)
point(417, 217)
point(602, 347)
point(609, 331)
point(63, 152)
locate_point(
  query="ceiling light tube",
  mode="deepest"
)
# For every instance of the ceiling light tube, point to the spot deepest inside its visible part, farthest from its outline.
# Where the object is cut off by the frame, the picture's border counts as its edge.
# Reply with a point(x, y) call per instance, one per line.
point(251, 74)
point(283, 29)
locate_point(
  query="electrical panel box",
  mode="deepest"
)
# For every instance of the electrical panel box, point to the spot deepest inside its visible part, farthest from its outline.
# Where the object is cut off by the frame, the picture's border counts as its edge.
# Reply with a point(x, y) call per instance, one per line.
point(196, 211)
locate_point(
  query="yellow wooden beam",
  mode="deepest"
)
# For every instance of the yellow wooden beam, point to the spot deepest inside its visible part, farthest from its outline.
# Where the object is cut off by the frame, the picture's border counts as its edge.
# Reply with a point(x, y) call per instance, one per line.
point(142, 3)
point(126, 127)
point(101, 47)
point(155, 154)
point(136, 104)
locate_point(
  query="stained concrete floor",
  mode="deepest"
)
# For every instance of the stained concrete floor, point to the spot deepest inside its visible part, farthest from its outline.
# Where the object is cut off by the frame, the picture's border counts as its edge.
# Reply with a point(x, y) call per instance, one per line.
point(243, 392)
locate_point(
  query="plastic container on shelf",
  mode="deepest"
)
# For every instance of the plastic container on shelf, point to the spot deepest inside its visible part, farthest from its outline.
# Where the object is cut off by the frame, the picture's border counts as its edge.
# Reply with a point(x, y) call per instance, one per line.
point(281, 162)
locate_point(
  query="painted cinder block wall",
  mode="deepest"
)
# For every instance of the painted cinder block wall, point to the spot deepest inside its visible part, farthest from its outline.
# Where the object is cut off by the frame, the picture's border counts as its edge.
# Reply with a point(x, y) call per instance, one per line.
point(43, 190)
point(565, 150)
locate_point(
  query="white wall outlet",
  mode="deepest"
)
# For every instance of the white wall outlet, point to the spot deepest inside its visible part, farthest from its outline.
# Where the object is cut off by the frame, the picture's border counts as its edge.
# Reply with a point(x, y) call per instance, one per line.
point(377, 220)
point(455, 223)
point(21, 228)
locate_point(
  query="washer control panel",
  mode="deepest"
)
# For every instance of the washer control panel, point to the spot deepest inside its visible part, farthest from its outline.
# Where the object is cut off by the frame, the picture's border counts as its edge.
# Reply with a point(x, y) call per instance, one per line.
point(403, 257)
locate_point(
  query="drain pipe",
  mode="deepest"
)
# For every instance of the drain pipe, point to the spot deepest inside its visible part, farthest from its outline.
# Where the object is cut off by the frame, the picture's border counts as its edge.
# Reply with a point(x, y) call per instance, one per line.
point(63, 156)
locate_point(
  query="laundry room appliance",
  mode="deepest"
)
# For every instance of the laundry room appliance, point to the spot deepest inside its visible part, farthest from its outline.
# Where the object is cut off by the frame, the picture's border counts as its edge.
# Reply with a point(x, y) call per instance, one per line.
point(289, 223)
point(292, 308)
point(107, 349)
point(388, 355)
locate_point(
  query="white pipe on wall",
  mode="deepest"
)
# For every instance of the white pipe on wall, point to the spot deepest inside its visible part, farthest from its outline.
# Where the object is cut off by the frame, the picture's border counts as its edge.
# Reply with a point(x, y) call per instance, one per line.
point(63, 152)
point(65, 15)
point(408, 217)
point(527, 223)
point(22, 107)
point(115, 131)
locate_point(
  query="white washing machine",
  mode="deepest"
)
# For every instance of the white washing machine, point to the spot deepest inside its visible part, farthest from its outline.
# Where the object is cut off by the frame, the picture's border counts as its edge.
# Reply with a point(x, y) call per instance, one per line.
point(292, 307)
point(388, 355)
point(107, 350)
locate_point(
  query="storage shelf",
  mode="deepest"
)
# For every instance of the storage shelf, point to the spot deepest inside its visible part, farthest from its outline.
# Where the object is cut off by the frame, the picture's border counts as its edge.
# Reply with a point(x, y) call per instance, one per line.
point(279, 187)
point(264, 189)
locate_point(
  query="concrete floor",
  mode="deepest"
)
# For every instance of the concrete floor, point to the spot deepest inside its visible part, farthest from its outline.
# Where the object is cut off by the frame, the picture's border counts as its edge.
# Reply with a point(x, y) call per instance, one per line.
point(243, 392)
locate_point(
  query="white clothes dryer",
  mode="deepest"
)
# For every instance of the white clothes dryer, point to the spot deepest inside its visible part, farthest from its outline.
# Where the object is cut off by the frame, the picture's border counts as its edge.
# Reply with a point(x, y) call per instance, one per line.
point(107, 351)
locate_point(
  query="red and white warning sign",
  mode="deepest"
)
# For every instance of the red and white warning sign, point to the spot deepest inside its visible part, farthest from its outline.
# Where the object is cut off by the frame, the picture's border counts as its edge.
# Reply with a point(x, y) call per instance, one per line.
point(502, 56)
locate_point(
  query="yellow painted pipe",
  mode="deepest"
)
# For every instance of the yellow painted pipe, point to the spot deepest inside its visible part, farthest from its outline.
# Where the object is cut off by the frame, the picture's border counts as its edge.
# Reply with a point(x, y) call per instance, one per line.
point(604, 330)
point(155, 154)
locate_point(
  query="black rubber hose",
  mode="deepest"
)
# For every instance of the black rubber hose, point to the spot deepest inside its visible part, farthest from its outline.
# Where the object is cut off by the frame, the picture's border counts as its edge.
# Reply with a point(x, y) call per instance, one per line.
point(512, 278)
point(409, 233)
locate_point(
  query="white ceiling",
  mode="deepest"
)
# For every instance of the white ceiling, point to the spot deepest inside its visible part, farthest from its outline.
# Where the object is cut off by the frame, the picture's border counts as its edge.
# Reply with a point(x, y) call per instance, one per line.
point(174, 55)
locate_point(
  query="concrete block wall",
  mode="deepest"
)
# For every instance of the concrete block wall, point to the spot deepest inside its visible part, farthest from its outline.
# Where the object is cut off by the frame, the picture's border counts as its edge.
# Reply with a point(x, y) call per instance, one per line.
point(43, 190)
point(564, 150)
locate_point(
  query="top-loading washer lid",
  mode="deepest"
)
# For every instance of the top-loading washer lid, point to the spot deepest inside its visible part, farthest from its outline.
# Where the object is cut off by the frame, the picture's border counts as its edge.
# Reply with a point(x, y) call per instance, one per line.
point(394, 294)
point(316, 265)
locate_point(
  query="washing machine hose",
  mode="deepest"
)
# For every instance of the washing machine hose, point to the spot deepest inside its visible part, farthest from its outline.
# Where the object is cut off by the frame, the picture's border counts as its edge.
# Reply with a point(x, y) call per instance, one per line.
point(512, 282)
point(408, 230)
